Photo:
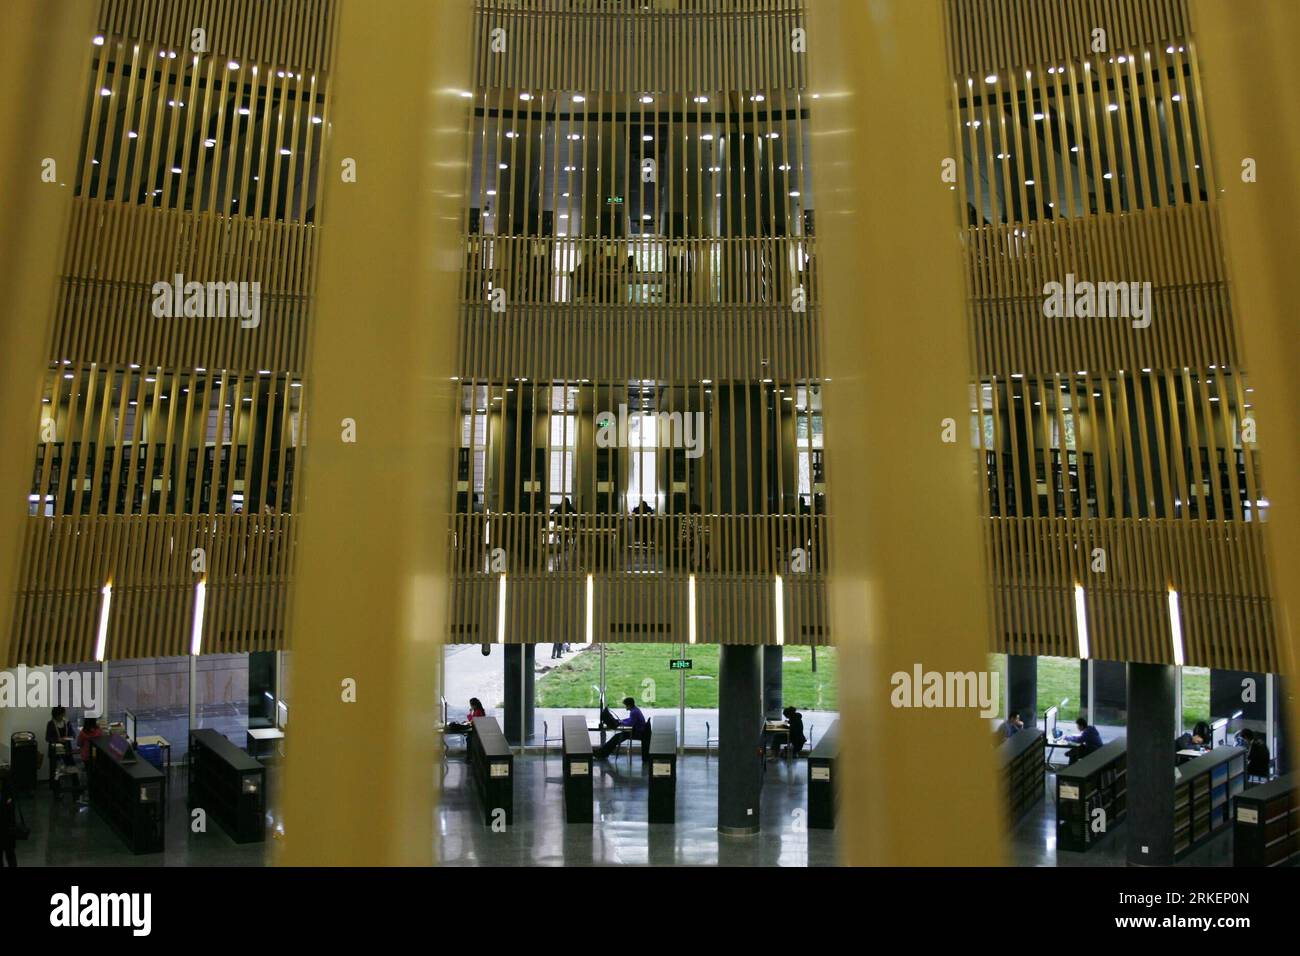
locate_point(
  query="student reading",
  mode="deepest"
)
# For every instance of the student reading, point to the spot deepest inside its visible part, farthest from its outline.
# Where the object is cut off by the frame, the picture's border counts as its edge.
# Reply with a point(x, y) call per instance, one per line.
point(634, 721)
point(1088, 738)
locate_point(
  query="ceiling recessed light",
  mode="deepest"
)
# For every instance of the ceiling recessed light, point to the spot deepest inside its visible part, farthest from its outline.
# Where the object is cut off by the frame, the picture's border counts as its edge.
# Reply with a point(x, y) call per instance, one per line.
point(525, 96)
point(647, 98)
point(105, 92)
point(98, 41)
point(579, 98)
point(991, 78)
point(209, 143)
point(232, 65)
point(243, 111)
point(757, 98)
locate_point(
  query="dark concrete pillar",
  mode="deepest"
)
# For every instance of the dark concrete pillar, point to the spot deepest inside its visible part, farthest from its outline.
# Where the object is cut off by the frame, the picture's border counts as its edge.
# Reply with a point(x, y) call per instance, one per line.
point(772, 704)
point(1232, 691)
point(1022, 687)
point(515, 654)
point(740, 742)
point(1151, 733)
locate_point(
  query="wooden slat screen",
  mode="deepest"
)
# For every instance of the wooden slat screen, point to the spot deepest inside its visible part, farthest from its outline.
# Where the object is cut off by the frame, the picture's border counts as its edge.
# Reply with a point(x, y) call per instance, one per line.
point(1123, 436)
point(165, 431)
point(689, 290)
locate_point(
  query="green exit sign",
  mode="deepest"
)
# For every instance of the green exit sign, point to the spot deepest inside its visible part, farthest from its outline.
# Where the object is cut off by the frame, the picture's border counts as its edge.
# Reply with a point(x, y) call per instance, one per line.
point(615, 200)
point(679, 664)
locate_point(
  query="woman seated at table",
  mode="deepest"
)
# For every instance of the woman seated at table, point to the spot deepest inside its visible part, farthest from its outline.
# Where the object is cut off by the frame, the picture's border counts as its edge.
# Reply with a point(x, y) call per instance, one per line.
point(475, 710)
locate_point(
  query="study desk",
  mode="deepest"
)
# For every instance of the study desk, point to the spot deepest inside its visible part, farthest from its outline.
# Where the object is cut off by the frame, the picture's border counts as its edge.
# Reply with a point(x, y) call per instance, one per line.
point(1058, 742)
point(257, 737)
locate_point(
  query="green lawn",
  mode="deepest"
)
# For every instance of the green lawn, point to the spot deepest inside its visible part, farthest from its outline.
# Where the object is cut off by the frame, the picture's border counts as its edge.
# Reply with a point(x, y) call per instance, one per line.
point(1058, 678)
point(641, 671)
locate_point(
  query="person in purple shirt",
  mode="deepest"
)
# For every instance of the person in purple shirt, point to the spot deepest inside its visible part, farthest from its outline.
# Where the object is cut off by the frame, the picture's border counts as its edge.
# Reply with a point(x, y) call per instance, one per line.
point(634, 722)
point(1088, 738)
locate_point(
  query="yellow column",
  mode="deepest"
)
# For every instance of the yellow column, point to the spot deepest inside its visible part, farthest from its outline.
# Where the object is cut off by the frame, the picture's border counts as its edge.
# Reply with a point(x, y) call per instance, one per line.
point(369, 597)
point(917, 785)
point(44, 62)
point(1248, 73)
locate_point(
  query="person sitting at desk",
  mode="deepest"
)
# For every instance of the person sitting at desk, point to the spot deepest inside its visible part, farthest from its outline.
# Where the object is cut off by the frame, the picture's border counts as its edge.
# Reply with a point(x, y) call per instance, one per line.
point(1088, 739)
point(1258, 759)
point(794, 720)
point(1013, 724)
point(634, 721)
point(1202, 730)
point(58, 730)
point(475, 710)
point(90, 729)
point(1191, 741)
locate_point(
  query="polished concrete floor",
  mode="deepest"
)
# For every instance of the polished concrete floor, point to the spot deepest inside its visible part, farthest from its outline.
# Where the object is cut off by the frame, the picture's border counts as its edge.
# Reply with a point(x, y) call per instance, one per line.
point(1033, 842)
point(621, 833)
point(65, 835)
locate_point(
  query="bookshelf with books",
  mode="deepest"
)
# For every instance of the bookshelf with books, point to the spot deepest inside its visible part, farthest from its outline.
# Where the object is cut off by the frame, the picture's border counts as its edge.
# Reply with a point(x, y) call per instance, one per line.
point(1203, 792)
point(1266, 824)
point(1023, 767)
point(1098, 781)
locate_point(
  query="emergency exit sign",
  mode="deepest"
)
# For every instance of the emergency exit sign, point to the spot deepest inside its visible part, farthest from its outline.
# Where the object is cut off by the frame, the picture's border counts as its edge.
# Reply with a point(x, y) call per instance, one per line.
point(679, 664)
point(614, 200)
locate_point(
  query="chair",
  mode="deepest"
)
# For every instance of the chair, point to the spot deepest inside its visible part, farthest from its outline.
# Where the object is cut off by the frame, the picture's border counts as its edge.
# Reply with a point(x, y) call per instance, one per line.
point(709, 741)
point(547, 739)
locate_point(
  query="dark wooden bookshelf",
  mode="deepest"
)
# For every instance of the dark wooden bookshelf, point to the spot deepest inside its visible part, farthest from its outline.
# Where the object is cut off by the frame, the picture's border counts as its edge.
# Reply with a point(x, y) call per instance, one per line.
point(1099, 780)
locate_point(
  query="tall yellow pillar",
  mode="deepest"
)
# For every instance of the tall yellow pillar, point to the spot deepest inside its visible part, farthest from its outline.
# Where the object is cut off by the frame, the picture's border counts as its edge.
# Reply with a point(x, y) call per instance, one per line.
point(369, 596)
point(907, 588)
point(1247, 68)
point(44, 63)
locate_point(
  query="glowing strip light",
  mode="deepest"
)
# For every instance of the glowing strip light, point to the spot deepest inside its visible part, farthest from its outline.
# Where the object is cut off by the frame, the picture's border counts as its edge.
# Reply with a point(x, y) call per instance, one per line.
point(1081, 621)
point(690, 608)
point(1176, 627)
point(101, 642)
point(200, 606)
point(590, 601)
point(780, 611)
point(501, 610)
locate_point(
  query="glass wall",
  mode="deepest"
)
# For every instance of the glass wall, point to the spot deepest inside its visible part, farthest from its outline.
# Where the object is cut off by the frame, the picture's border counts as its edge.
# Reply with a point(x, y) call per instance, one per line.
point(1058, 680)
point(157, 691)
point(221, 695)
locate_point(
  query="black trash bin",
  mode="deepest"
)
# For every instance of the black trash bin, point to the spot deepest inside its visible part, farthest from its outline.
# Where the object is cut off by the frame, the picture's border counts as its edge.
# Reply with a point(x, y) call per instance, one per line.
point(23, 757)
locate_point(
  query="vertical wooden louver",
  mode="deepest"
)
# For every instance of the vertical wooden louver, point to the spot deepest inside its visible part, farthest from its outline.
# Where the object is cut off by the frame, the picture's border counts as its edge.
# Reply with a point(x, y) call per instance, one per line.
point(1117, 449)
point(639, 249)
point(165, 433)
